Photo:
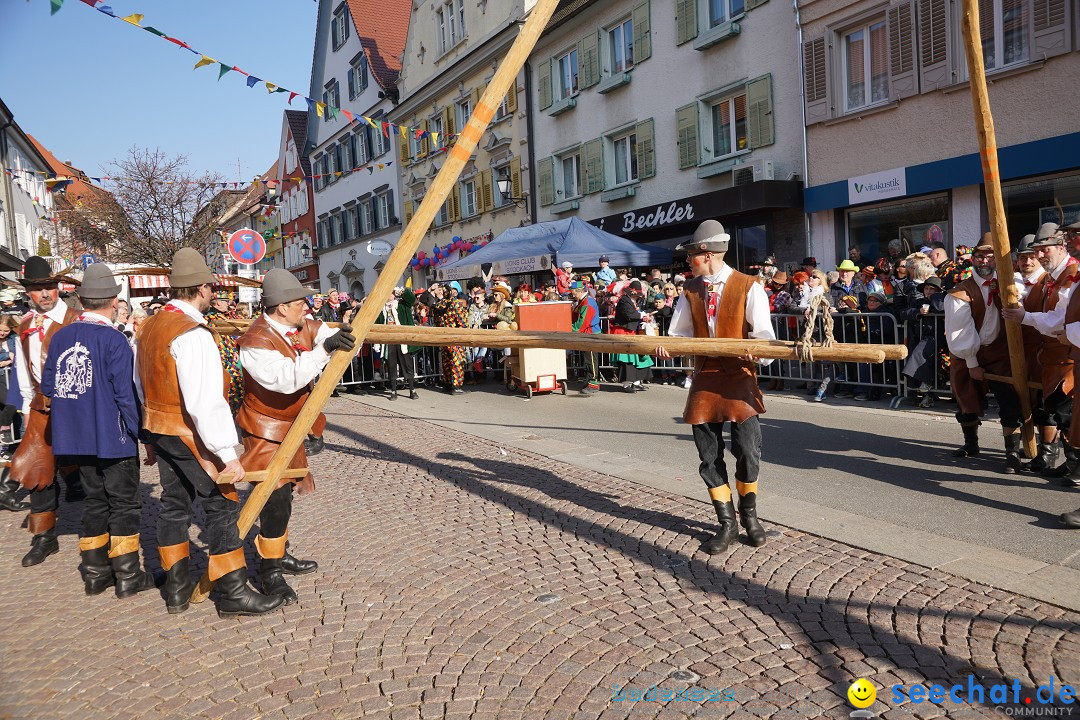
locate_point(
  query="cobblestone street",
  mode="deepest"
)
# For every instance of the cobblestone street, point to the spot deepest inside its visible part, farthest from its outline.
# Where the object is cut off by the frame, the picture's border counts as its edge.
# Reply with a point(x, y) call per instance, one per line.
point(458, 579)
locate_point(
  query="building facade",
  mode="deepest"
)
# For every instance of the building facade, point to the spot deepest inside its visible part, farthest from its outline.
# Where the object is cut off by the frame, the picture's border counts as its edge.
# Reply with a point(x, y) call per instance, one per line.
point(296, 203)
point(651, 116)
point(358, 210)
point(892, 146)
point(451, 54)
point(25, 201)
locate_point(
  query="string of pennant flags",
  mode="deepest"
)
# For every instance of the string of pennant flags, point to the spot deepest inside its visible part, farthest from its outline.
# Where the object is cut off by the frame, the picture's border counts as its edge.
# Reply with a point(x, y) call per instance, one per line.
point(321, 109)
point(55, 182)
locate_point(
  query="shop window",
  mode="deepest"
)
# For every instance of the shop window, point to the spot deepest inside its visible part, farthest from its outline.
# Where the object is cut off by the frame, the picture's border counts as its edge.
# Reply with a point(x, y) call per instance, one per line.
point(866, 65)
point(915, 223)
point(1030, 203)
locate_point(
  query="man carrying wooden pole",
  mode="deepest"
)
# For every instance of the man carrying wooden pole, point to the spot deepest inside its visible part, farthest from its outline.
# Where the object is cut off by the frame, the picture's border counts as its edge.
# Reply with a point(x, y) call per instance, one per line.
point(984, 125)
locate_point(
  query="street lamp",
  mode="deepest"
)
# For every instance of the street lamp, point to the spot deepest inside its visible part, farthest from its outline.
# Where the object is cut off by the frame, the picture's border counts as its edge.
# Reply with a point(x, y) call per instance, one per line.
point(305, 251)
point(506, 188)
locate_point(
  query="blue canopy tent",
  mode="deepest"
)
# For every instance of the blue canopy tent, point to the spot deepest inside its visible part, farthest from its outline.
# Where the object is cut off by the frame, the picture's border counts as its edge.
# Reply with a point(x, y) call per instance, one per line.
point(529, 249)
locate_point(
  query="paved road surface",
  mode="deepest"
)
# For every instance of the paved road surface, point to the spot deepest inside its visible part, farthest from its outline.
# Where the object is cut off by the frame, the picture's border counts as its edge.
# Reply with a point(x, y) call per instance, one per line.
point(457, 581)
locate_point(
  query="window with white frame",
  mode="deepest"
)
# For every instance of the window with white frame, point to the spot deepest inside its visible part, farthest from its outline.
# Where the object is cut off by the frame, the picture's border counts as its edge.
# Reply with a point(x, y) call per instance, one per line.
point(367, 216)
point(331, 97)
point(415, 144)
point(335, 228)
point(567, 176)
point(567, 82)
point(443, 218)
point(1003, 27)
point(504, 107)
point(358, 76)
point(381, 143)
point(382, 211)
point(866, 65)
point(462, 113)
point(625, 151)
point(620, 41)
point(718, 12)
point(729, 132)
point(468, 198)
point(290, 156)
point(348, 159)
point(435, 127)
point(450, 24)
point(349, 218)
point(339, 26)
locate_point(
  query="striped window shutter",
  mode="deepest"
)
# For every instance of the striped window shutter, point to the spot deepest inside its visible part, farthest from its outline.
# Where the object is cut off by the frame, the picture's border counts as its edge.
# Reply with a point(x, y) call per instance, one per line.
point(816, 81)
point(485, 202)
point(425, 140)
point(546, 180)
point(511, 98)
point(454, 200)
point(934, 46)
point(543, 84)
point(408, 211)
point(403, 150)
point(686, 130)
point(642, 33)
point(1052, 24)
point(685, 21)
point(646, 149)
point(759, 109)
point(901, 20)
point(594, 166)
point(515, 178)
point(589, 57)
point(449, 121)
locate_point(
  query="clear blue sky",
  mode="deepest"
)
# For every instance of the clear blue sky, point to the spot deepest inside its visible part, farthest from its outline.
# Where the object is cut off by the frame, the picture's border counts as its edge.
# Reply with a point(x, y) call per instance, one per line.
point(88, 87)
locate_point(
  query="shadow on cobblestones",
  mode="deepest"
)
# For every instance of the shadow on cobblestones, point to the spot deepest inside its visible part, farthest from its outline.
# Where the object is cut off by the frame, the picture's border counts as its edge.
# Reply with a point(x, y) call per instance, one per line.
point(852, 613)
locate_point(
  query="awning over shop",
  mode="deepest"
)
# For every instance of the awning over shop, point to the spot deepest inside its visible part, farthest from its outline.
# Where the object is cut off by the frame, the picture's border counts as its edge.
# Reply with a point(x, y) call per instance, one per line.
point(155, 282)
point(530, 249)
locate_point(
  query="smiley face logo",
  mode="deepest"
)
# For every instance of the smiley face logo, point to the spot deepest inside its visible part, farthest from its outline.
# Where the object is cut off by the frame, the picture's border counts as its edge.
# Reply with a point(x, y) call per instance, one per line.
point(861, 694)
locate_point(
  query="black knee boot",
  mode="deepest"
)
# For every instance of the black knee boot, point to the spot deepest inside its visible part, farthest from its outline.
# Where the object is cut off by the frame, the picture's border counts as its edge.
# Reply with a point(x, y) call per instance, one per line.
point(178, 583)
point(749, 520)
point(97, 573)
point(235, 598)
point(273, 582)
point(729, 530)
point(44, 543)
point(1013, 463)
point(124, 558)
point(970, 448)
point(8, 488)
point(1049, 451)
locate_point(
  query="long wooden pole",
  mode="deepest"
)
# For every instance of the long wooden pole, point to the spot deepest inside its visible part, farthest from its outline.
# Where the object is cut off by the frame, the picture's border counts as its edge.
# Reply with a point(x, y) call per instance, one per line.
point(984, 125)
point(634, 344)
point(396, 264)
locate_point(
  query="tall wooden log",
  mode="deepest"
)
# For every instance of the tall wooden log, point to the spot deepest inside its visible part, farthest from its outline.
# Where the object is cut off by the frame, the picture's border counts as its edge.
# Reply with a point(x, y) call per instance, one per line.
point(397, 263)
point(984, 125)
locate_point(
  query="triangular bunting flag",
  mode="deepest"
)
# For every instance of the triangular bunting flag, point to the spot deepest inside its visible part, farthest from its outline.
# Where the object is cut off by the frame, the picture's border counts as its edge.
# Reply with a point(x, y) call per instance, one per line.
point(435, 139)
point(252, 80)
point(319, 108)
point(239, 71)
point(291, 96)
point(153, 30)
point(386, 129)
point(56, 5)
point(105, 9)
point(371, 123)
point(347, 114)
point(270, 87)
point(370, 170)
point(404, 132)
point(134, 19)
point(222, 70)
point(204, 61)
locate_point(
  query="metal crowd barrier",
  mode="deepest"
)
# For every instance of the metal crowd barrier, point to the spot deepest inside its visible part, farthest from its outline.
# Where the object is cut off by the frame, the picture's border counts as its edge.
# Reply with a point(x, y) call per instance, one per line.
point(367, 369)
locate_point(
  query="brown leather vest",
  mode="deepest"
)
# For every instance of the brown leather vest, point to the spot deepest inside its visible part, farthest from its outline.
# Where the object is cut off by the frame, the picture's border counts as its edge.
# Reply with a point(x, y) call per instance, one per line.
point(267, 414)
point(39, 401)
point(970, 292)
point(1033, 339)
point(1055, 357)
point(163, 408)
point(723, 388)
point(1072, 314)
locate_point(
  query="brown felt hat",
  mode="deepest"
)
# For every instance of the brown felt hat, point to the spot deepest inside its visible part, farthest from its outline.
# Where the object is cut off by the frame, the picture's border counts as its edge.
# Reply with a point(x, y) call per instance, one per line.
point(98, 283)
point(281, 286)
point(189, 269)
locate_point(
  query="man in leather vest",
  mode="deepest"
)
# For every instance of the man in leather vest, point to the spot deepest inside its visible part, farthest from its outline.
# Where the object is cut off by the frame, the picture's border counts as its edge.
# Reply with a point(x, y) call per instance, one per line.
point(281, 355)
point(95, 422)
point(1029, 284)
point(188, 423)
point(1055, 355)
point(977, 344)
point(720, 302)
point(33, 464)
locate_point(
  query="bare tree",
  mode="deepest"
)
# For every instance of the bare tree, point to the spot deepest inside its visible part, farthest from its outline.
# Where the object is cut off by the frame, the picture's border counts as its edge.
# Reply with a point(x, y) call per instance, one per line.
point(163, 207)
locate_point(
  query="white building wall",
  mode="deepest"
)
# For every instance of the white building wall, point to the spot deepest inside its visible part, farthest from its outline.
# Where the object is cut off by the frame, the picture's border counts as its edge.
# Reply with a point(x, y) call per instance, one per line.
point(348, 262)
point(31, 199)
point(674, 76)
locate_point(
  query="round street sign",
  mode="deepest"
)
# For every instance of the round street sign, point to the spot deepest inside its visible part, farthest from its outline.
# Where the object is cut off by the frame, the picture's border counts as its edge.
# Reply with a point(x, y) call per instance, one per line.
point(246, 246)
